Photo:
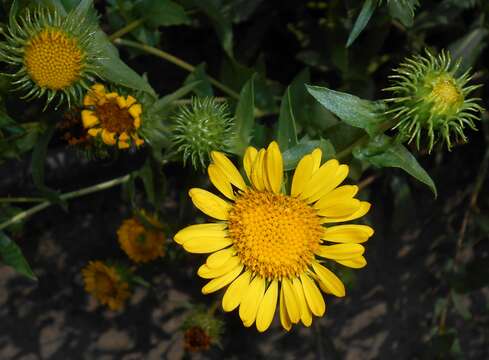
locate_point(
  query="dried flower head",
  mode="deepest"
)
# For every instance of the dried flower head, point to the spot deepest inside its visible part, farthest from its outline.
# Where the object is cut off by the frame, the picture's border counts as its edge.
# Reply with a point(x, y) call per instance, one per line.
point(201, 330)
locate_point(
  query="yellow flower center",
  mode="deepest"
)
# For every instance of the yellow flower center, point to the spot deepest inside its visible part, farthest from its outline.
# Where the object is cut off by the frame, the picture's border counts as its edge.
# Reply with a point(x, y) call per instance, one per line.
point(114, 118)
point(275, 235)
point(53, 59)
point(445, 94)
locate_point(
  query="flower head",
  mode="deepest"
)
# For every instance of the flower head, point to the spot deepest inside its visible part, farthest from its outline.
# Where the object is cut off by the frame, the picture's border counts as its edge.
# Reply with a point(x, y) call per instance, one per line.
point(429, 97)
point(105, 284)
point(201, 330)
point(201, 127)
point(51, 54)
point(113, 117)
point(270, 246)
point(140, 243)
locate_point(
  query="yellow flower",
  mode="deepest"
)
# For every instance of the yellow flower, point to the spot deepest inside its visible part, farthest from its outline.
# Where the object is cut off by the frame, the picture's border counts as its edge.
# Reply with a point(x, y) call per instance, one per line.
point(139, 243)
point(104, 283)
point(112, 116)
point(269, 246)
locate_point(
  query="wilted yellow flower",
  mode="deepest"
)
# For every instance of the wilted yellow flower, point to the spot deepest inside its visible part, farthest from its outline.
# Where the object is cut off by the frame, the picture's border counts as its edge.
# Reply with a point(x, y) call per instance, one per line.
point(112, 116)
point(141, 244)
point(105, 284)
point(270, 246)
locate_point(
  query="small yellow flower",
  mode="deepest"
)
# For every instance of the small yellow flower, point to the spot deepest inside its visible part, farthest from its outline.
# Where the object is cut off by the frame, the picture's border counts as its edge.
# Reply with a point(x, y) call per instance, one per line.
point(270, 246)
point(112, 116)
point(139, 243)
point(104, 283)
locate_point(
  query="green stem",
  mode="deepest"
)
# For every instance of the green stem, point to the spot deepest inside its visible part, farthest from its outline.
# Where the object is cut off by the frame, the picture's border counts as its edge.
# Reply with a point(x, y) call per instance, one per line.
point(70, 195)
point(126, 29)
point(175, 60)
point(20, 199)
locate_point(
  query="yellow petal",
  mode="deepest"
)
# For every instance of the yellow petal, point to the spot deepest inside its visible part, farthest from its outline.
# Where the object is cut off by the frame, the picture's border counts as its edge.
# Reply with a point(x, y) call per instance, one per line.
point(284, 317)
point(251, 300)
point(121, 102)
point(94, 131)
point(228, 169)
point(321, 176)
point(302, 175)
point(267, 307)
point(340, 251)
point(210, 273)
point(220, 257)
point(328, 183)
point(235, 292)
point(220, 282)
point(98, 89)
point(203, 245)
point(340, 208)
point(135, 110)
point(89, 118)
point(137, 122)
point(200, 230)
point(348, 233)
point(274, 167)
point(291, 302)
point(356, 263)
point(130, 100)
point(249, 159)
point(220, 181)
point(316, 157)
point(313, 296)
point(362, 210)
point(122, 145)
point(306, 315)
point(329, 280)
point(90, 99)
point(111, 95)
point(257, 175)
point(123, 136)
point(342, 192)
point(210, 204)
point(108, 137)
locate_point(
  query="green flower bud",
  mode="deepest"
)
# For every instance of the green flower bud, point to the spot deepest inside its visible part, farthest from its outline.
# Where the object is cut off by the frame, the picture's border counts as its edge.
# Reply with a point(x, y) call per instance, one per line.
point(201, 330)
point(429, 99)
point(201, 127)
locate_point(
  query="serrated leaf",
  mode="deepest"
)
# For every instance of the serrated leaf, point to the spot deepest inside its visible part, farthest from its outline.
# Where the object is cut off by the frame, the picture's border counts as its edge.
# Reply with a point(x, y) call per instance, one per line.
point(362, 20)
point(286, 129)
point(11, 255)
point(349, 108)
point(113, 69)
point(382, 151)
point(244, 118)
point(293, 155)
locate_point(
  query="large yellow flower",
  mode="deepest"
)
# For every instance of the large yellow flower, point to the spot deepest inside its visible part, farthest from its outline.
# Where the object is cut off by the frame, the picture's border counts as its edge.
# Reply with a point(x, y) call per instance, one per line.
point(112, 116)
point(269, 246)
point(105, 284)
point(139, 243)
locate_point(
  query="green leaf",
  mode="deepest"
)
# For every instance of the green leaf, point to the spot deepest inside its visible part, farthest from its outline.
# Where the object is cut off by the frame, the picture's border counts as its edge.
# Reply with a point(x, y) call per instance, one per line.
point(221, 24)
point(382, 151)
point(11, 255)
point(244, 118)
point(146, 175)
point(403, 11)
point(362, 20)
point(163, 13)
point(351, 109)
point(286, 130)
point(300, 101)
point(293, 155)
point(204, 88)
point(113, 69)
point(468, 48)
point(166, 101)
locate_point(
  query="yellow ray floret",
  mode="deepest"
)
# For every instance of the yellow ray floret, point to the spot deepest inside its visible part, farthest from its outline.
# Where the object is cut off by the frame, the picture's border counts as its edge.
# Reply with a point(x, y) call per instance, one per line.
point(270, 248)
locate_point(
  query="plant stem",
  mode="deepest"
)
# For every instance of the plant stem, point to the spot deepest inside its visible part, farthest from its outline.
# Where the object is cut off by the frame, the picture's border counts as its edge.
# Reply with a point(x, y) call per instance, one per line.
point(70, 195)
point(20, 199)
point(177, 61)
point(126, 29)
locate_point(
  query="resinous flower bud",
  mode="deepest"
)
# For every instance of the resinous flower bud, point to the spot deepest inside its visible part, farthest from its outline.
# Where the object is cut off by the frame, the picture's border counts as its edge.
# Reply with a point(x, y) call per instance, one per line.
point(430, 100)
point(201, 127)
point(51, 54)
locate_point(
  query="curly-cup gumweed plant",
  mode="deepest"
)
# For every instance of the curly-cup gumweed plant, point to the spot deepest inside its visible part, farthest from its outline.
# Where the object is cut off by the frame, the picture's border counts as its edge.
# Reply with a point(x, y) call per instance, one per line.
point(252, 187)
